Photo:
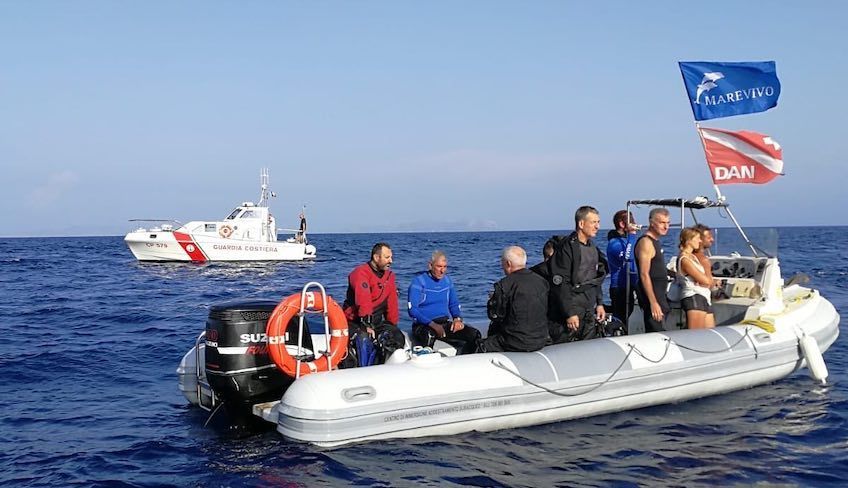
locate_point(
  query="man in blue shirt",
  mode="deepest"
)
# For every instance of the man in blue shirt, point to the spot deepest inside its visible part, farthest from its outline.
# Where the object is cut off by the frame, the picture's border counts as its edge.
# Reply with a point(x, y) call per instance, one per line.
point(621, 241)
point(435, 309)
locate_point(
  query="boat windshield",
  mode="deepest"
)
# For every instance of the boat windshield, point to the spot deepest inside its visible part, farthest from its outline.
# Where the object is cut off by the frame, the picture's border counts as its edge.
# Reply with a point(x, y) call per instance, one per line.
point(729, 241)
point(234, 214)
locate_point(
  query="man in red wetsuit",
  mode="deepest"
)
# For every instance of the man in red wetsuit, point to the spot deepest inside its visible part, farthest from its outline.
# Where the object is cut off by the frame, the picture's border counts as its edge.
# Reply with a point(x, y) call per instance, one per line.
point(371, 304)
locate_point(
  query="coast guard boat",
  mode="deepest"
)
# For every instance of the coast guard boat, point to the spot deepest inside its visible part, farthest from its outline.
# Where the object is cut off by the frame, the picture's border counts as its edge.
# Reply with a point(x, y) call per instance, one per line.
point(257, 358)
point(248, 233)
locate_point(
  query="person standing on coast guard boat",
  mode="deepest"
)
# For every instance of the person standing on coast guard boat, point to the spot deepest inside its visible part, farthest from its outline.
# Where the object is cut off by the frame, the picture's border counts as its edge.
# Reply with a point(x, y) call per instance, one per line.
point(517, 307)
point(301, 231)
point(621, 242)
point(577, 270)
point(371, 307)
point(653, 275)
point(435, 309)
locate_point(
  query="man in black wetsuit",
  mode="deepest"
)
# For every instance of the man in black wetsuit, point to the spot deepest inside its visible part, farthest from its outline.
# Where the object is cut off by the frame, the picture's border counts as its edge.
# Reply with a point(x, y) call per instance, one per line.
point(517, 308)
point(653, 275)
point(576, 272)
point(541, 269)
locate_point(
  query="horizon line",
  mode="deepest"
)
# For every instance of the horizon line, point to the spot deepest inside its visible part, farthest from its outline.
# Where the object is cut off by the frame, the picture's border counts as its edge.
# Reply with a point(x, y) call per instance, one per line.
point(430, 231)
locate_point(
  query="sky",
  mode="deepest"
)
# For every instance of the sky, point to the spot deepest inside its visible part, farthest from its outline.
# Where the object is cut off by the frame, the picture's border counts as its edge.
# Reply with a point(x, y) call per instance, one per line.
point(400, 116)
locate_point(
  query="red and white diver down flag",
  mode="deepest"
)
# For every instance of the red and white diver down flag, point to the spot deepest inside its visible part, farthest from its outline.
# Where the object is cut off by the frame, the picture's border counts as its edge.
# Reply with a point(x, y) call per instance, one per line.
point(741, 157)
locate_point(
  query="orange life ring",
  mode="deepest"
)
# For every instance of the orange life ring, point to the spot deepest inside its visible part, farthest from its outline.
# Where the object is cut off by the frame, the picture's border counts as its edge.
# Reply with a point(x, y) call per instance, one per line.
point(226, 231)
point(276, 333)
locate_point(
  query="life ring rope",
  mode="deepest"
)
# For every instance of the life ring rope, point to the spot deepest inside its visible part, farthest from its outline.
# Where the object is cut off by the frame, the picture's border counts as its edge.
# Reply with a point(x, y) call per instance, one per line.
point(279, 321)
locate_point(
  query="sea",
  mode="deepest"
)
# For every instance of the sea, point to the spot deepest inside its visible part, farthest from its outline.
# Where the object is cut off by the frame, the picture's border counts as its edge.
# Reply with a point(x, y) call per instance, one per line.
point(90, 341)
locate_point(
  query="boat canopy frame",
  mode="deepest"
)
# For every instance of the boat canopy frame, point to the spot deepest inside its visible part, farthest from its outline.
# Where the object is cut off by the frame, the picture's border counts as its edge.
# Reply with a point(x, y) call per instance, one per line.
point(699, 203)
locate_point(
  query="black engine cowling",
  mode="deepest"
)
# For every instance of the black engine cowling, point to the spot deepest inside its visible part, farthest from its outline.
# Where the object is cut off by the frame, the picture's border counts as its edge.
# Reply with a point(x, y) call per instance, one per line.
point(238, 366)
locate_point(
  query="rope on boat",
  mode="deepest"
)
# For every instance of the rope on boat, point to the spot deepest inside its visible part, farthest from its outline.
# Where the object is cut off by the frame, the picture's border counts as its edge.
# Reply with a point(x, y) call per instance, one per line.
point(209, 419)
point(763, 324)
point(665, 353)
point(633, 349)
point(728, 348)
point(559, 393)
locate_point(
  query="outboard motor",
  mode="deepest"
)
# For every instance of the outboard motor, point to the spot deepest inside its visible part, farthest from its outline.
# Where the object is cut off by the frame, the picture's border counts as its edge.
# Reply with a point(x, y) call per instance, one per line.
point(238, 366)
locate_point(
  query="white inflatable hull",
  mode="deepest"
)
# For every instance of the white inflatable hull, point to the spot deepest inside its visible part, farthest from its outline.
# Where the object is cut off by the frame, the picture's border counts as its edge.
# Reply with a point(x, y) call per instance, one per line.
point(171, 246)
point(434, 395)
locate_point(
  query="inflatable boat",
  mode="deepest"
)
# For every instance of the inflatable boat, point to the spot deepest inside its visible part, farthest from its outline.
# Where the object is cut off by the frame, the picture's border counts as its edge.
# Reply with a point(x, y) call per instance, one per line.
point(767, 330)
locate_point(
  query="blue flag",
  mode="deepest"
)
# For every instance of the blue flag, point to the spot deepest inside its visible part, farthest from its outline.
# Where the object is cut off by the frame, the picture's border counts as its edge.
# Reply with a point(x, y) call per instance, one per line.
point(726, 89)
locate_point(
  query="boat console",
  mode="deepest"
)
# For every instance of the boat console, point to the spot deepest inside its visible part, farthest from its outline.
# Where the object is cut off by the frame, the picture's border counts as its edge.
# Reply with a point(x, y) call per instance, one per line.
point(740, 286)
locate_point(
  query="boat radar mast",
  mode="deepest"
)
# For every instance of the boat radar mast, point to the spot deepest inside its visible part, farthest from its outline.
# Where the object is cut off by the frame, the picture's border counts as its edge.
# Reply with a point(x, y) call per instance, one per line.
point(265, 193)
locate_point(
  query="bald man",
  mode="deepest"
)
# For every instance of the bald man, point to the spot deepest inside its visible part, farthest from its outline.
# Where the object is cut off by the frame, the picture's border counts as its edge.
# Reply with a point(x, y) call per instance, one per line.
point(518, 307)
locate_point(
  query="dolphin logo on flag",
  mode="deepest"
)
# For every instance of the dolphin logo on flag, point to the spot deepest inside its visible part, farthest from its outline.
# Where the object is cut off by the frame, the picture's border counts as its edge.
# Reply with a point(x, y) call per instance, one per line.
point(724, 89)
point(741, 157)
point(707, 84)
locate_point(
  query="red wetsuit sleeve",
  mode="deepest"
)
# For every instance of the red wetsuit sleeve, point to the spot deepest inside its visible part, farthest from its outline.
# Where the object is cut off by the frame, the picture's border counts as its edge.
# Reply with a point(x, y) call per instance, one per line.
point(392, 314)
point(361, 285)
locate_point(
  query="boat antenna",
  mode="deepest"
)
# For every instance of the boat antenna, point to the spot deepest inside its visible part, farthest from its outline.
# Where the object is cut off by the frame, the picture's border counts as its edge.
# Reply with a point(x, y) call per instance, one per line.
point(265, 193)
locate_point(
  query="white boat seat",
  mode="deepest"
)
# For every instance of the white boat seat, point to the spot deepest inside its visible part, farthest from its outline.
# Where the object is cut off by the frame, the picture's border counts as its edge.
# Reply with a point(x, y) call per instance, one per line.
point(731, 310)
point(741, 288)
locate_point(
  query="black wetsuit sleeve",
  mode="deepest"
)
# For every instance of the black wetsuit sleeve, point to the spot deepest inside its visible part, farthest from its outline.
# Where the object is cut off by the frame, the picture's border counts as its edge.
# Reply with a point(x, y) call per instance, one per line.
point(603, 270)
point(496, 310)
point(561, 283)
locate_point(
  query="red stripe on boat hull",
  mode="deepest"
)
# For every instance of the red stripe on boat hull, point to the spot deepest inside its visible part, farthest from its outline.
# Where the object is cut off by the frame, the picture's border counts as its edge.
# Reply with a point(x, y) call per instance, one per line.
point(190, 247)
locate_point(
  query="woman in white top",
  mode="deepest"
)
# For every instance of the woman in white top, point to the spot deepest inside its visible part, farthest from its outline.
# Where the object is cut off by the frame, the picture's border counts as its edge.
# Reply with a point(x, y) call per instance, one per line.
point(694, 282)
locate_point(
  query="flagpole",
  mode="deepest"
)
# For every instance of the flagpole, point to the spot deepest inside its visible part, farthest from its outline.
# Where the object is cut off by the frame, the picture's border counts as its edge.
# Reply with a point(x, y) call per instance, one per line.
point(764, 73)
point(719, 196)
point(744, 235)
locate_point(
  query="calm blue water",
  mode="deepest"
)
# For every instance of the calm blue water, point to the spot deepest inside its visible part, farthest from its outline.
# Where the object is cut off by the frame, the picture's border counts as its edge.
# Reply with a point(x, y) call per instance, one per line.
point(91, 340)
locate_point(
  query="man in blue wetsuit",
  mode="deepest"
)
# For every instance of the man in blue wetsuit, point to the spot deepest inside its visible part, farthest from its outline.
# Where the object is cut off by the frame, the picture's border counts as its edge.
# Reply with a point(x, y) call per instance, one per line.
point(621, 242)
point(435, 309)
